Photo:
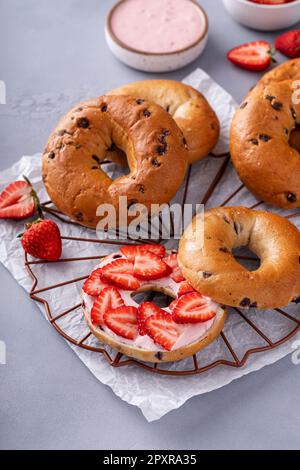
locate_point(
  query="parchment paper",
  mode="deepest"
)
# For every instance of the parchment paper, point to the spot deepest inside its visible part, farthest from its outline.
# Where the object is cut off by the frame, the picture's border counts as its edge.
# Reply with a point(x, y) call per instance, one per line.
point(154, 395)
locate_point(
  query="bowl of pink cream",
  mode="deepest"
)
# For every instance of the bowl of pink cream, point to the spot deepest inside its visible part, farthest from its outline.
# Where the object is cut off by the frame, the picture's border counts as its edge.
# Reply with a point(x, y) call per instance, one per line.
point(156, 35)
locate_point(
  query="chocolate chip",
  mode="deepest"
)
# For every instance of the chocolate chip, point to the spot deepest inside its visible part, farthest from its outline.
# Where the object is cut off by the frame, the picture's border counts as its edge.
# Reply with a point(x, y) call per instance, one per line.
point(79, 109)
point(141, 189)
point(296, 300)
point(294, 115)
point(264, 137)
point(96, 158)
point(140, 101)
point(83, 122)
point(277, 105)
point(159, 355)
point(286, 131)
point(146, 113)
point(95, 167)
point(155, 162)
point(51, 155)
point(162, 139)
point(243, 105)
point(185, 143)
point(246, 302)
point(223, 249)
point(253, 305)
point(104, 108)
point(254, 141)
point(161, 149)
point(112, 148)
point(117, 256)
point(168, 108)
point(291, 197)
point(166, 132)
point(79, 216)
point(226, 220)
point(207, 275)
point(236, 228)
point(270, 98)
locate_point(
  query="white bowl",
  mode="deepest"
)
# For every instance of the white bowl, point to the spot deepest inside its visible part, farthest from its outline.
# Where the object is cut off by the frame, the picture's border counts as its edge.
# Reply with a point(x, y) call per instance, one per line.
point(155, 62)
point(264, 17)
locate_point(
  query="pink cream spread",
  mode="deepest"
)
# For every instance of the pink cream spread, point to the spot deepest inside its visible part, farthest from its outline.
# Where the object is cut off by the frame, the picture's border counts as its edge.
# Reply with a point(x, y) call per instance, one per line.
point(158, 26)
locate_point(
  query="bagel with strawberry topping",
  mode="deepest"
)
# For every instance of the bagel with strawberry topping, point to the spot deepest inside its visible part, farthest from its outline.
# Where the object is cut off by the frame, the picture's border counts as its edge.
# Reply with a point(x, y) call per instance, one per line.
point(145, 331)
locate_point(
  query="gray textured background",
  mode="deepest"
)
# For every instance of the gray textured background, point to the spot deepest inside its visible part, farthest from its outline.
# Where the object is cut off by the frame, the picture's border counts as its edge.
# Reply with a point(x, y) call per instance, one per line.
point(53, 52)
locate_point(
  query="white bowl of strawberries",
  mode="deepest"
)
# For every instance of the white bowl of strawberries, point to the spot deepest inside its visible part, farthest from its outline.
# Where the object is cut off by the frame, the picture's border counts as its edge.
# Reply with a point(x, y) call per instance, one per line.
point(264, 15)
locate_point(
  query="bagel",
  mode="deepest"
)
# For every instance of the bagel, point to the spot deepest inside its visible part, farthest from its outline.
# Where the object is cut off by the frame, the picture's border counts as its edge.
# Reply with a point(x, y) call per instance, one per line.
point(262, 146)
point(213, 270)
point(192, 337)
point(188, 107)
point(154, 145)
point(289, 70)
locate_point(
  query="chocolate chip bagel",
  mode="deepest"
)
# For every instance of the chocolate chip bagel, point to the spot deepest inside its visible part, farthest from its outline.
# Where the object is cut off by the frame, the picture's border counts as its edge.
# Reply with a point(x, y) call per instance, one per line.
point(154, 145)
point(211, 268)
point(187, 106)
point(262, 144)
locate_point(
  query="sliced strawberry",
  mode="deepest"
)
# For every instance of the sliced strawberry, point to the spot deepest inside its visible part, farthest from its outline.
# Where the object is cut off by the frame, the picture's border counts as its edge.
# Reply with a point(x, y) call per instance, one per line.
point(16, 201)
point(145, 311)
point(120, 274)
point(192, 308)
point(122, 321)
point(149, 267)
point(173, 304)
point(130, 251)
point(94, 284)
point(109, 298)
point(289, 43)
point(163, 330)
point(185, 288)
point(172, 262)
point(254, 56)
point(271, 2)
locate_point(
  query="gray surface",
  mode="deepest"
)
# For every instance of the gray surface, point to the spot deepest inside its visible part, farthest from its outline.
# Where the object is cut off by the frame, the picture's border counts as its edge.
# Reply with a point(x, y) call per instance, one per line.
point(48, 399)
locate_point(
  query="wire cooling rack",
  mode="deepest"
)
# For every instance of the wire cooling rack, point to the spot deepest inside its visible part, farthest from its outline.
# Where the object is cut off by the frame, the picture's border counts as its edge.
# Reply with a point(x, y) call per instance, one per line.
point(229, 357)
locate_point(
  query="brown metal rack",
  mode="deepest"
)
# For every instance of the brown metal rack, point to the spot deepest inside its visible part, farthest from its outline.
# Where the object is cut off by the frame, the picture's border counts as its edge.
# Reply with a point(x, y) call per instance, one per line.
point(117, 360)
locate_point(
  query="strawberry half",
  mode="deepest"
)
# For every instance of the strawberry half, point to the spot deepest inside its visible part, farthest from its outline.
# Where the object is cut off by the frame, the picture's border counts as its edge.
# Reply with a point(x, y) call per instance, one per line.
point(42, 240)
point(122, 321)
point(130, 251)
point(148, 266)
point(192, 308)
point(185, 288)
point(16, 201)
point(163, 330)
point(289, 43)
point(109, 298)
point(94, 284)
point(254, 56)
point(172, 262)
point(145, 311)
point(120, 274)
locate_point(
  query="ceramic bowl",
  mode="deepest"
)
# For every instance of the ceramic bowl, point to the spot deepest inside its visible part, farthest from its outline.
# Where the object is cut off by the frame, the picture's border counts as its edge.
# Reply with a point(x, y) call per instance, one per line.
point(264, 17)
point(155, 62)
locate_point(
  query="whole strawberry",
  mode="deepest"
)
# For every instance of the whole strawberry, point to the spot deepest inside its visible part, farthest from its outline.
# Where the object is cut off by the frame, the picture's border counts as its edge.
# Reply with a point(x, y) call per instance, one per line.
point(42, 240)
point(289, 43)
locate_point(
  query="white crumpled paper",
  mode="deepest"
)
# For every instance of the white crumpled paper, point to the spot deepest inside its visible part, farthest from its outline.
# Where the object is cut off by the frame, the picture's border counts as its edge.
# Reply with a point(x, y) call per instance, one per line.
point(155, 395)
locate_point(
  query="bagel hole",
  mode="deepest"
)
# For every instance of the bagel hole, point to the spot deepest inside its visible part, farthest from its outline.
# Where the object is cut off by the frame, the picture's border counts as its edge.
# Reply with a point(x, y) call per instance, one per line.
point(115, 164)
point(158, 298)
point(246, 258)
point(295, 138)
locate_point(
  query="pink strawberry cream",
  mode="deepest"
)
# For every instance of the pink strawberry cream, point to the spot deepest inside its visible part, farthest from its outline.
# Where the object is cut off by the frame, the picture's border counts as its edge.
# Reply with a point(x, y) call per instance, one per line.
point(158, 26)
point(190, 333)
